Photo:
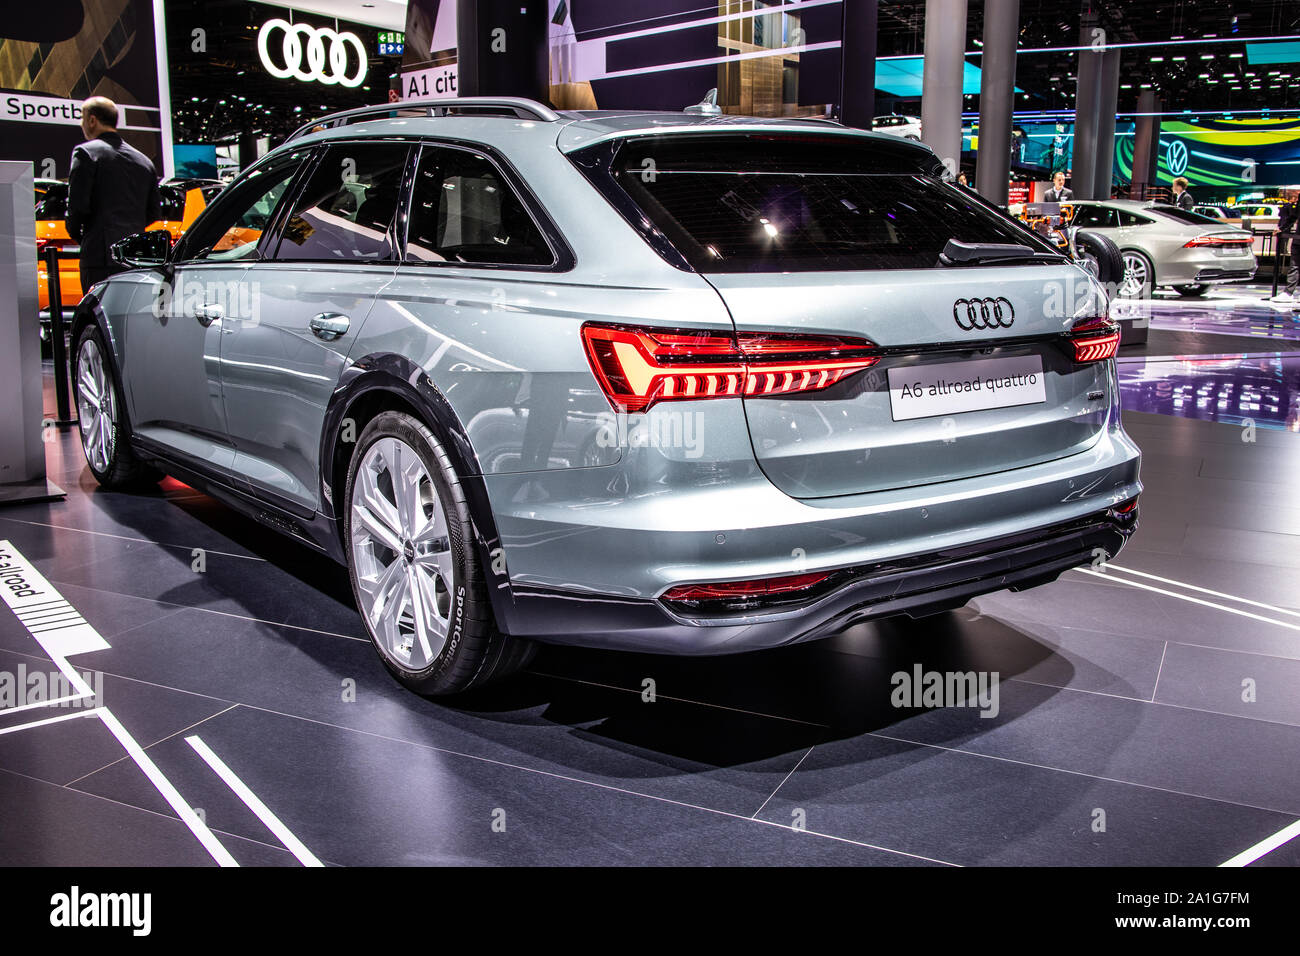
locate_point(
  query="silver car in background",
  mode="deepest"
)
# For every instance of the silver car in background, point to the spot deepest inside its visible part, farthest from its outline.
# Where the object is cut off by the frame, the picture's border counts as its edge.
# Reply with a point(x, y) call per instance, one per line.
point(1167, 247)
point(662, 382)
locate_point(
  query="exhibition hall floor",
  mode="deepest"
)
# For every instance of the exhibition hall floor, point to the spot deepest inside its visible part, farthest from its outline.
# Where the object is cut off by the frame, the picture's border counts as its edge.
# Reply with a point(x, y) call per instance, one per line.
point(1148, 713)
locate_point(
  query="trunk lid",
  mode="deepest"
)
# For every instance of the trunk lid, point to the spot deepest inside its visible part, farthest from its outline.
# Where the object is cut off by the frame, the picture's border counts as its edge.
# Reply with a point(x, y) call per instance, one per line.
point(989, 399)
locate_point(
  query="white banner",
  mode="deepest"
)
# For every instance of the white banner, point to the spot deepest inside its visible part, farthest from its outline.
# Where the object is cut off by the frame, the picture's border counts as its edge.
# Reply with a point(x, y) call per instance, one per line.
point(435, 83)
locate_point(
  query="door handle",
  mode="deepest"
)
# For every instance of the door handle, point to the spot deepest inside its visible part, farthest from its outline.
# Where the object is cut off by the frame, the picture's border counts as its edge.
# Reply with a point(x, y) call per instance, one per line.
point(207, 314)
point(329, 325)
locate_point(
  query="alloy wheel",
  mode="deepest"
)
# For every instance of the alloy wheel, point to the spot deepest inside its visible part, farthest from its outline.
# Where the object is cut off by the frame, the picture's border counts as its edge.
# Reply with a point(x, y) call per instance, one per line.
point(401, 554)
point(1135, 275)
point(96, 406)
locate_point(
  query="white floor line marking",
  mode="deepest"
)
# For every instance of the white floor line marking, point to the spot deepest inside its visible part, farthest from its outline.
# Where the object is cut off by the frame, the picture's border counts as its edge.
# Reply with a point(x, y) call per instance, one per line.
point(127, 537)
point(680, 700)
point(1159, 670)
point(44, 703)
point(82, 638)
point(88, 712)
point(1194, 587)
point(1184, 597)
point(1267, 845)
point(169, 792)
point(782, 783)
point(260, 809)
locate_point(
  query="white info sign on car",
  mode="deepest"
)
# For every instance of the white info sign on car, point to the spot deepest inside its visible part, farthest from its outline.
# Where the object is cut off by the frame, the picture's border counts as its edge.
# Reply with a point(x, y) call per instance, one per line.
point(950, 388)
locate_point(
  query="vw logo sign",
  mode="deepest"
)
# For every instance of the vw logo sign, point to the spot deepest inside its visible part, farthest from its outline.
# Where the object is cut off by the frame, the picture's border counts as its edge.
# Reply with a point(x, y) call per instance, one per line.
point(972, 314)
point(326, 53)
point(1176, 157)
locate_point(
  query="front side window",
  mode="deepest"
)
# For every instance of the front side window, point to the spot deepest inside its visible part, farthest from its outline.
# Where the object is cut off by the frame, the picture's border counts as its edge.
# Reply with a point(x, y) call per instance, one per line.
point(463, 211)
point(232, 227)
point(346, 210)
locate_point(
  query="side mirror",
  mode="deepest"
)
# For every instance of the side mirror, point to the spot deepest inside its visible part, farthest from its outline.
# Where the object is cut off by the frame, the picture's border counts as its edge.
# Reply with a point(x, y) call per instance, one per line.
point(143, 250)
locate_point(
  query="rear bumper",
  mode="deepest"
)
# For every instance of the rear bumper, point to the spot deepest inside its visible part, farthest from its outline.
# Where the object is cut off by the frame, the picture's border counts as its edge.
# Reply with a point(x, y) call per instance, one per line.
point(915, 587)
point(587, 557)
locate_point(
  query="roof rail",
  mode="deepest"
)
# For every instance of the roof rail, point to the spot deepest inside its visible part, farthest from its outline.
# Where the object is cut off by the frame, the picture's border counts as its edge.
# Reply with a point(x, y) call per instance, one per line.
point(515, 106)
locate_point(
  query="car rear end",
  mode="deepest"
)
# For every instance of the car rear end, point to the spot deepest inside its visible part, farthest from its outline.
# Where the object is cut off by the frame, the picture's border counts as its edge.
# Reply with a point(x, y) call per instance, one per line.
point(1197, 250)
point(880, 432)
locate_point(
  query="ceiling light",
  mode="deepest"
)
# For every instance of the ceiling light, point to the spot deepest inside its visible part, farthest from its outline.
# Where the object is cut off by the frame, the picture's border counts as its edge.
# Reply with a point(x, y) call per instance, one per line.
point(1157, 59)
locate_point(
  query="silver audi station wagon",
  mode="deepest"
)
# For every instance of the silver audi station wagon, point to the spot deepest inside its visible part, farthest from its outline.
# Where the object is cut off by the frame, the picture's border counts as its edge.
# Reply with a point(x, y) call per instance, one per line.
point(663, 382)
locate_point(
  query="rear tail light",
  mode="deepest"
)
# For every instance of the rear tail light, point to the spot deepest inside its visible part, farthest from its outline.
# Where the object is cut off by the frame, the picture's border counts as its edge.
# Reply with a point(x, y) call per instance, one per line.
point(638, 367)
point(1095, 340)
point(743, 595)
point(1217, 241)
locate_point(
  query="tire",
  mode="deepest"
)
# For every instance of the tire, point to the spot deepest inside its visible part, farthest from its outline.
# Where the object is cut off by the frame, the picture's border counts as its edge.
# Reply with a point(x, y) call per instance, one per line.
point(436, 580)
point(1192, 291)
point(1139, 284)
point(1104, 255)
point(101, 414)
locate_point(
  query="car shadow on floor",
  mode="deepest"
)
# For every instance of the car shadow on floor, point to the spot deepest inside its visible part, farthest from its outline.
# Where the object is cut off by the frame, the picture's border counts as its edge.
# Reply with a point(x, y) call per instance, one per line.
point(744, 708)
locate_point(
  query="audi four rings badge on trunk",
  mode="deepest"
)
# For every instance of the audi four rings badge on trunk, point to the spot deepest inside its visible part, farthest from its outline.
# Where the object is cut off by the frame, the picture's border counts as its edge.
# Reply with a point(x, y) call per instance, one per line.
point(326, 53)
point(972, 314)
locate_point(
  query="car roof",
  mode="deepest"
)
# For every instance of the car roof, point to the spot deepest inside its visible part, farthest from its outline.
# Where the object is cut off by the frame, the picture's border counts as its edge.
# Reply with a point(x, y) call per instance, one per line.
point(570, 130)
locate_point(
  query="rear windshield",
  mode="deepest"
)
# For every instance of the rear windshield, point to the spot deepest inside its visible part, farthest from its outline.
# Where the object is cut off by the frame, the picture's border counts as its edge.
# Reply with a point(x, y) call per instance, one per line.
point(1186, 215)
point(772, 203)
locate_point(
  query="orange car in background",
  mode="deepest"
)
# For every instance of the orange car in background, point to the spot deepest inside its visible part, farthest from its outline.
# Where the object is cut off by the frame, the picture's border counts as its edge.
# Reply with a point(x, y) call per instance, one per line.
point(181, 201)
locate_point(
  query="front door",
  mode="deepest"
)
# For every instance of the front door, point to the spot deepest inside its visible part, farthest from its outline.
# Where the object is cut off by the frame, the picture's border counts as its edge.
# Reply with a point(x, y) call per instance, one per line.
point(171, 344)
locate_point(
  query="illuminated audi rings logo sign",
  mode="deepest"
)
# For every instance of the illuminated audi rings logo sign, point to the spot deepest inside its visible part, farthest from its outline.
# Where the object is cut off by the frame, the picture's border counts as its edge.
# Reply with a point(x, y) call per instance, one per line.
point(972, 314)
point(312, 54)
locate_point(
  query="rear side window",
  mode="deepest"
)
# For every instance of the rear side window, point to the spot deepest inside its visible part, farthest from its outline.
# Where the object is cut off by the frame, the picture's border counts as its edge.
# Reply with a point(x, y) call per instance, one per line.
point(777, 203)
point(1133, 219)
point(346, 210)
point(463, 211)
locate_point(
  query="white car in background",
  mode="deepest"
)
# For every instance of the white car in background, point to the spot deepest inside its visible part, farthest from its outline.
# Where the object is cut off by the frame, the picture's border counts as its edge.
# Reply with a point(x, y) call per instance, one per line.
point(896, 124)
point(1166, 247)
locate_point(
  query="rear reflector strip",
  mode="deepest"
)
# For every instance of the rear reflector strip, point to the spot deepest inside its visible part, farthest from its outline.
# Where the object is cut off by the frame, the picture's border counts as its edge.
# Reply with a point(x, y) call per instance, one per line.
point(744, 595)
point(638, 366)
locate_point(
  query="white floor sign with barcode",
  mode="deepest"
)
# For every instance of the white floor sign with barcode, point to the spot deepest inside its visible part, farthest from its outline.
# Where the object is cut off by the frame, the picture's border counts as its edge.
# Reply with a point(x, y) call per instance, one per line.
point(57, 626)
point(951, 388)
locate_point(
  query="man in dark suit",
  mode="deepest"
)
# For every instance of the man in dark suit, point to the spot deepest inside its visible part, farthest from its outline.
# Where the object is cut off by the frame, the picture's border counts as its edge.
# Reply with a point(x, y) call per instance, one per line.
point(1288, 231)
point(112, 190)
point(1058, 192)
point(1182, 198)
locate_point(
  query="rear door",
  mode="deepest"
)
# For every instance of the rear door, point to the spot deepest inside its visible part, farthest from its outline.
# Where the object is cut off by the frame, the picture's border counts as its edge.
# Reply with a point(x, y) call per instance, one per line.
point(821, 236)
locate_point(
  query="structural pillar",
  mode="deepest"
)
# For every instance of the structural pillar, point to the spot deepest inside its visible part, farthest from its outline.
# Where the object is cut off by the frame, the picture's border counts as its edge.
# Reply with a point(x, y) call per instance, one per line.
point(502, 49)
point(945, 58)
point(858, 63)
point(1146, 143)
point(1107, 104)
point(997, 98)
point(1083, 167)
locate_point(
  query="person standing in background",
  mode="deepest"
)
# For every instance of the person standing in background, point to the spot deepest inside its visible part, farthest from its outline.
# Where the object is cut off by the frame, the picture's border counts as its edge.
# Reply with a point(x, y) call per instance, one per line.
point(112, 191)
point(1058, 192)
point(1182, 198)
point(1288, 225)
